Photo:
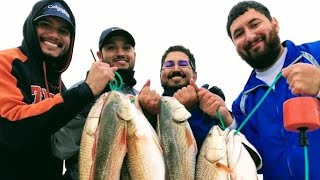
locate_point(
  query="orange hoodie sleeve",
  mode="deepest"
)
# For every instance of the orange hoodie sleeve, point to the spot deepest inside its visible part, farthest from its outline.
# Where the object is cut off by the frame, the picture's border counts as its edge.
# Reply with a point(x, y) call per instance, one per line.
point(23, 121)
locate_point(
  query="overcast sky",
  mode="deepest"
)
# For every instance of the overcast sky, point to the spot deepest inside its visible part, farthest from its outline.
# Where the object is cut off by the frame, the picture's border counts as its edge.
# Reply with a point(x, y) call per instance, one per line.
point(156, 25)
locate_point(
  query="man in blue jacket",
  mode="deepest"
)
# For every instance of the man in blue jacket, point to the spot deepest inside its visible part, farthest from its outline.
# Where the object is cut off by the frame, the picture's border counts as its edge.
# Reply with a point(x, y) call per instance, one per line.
point(288, 70)
point(178, 75)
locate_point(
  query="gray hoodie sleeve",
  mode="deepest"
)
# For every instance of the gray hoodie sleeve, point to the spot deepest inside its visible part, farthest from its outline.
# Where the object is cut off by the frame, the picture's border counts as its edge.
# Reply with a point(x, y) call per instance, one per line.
point(66, 142)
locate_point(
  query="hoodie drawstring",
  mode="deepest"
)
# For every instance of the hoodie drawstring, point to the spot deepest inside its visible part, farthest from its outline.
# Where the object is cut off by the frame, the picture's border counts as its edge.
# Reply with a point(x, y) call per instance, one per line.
point(46, 80)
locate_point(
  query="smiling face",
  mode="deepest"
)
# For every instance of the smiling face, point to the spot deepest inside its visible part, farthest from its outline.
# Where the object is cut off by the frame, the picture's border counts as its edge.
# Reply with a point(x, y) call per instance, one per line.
point(256, 39)
point(54, 36)
point(118, 52)
point(176, 76)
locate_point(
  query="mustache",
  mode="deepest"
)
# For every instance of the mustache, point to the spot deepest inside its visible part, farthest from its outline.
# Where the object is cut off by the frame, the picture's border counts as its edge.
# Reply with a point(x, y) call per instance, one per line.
point(249, 44)
point(176, 73)
point(120, 58)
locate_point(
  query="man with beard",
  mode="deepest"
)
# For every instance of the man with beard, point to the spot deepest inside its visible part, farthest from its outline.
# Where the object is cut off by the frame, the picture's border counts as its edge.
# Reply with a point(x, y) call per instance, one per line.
point(285, 70)
point(116, 48)
point(178, 75)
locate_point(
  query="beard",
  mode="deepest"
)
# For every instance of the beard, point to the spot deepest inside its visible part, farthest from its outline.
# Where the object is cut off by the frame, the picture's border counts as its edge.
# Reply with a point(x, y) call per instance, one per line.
point(55, 63)
point(169, 90)
point(127, 76)
point(267, 57)
point(173, 87)
point(130, 67)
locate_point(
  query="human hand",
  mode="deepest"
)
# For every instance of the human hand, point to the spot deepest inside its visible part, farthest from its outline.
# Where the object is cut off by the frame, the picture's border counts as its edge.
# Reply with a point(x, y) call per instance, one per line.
point(303, 79)
point(149, 99)
point(187, 95)
point(210, 103)
point(99, 76)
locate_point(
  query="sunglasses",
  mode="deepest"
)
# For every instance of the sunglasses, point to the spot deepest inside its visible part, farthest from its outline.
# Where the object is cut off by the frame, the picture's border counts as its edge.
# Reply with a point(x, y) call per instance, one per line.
point(181, 63)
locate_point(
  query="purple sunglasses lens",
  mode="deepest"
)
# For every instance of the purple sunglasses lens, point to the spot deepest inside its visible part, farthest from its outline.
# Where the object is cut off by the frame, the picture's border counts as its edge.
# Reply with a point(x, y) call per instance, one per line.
point(168, 64)
point(181, 63)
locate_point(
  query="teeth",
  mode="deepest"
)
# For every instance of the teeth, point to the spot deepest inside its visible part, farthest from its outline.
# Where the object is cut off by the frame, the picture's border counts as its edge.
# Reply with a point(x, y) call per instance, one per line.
point(176, 77)
point(50, 44)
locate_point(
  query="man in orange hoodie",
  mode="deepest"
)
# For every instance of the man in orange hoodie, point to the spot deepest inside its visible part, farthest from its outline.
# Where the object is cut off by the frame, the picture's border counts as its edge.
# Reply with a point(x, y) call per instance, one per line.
point(34, 102)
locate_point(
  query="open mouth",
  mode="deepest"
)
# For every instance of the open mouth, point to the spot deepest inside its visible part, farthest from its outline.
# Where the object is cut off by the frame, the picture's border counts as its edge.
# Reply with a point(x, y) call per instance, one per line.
point(50, 44)
point(120, 60)
point(176, 78)
point(176, 75)
point(255, 44)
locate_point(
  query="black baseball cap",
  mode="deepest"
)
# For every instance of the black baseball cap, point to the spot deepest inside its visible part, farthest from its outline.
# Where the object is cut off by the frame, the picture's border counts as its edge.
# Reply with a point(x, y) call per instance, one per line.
point(115, 31)
point(58, 10)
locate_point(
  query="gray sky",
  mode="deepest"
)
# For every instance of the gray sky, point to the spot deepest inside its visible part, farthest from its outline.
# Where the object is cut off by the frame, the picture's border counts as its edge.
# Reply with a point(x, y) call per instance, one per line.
point(156, 25)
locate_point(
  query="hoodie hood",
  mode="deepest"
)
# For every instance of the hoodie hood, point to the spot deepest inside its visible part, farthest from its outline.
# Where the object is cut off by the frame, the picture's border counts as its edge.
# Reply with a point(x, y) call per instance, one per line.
point(30, 42)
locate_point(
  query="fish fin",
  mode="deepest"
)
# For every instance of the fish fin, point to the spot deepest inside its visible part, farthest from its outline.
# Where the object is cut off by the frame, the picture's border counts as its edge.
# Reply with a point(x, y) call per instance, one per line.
point(141, 135)
point(123, 139)
point(93, 153)
point(191, 140)
point(94, 147)
point(224, 168)
point(91, 176)
point(156, 139)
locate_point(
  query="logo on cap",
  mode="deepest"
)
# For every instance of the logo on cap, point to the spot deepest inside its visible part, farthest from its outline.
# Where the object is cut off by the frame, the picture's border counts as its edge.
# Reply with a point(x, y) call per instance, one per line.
point(59, 9)
point(56, 9)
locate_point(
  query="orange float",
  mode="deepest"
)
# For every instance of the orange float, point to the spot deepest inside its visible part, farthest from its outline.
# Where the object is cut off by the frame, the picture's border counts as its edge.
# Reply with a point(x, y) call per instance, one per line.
point(301, 112)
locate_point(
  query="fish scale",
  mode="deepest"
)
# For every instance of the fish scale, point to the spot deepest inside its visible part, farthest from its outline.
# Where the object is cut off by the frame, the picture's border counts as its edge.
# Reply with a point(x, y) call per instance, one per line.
point(177, 140)
point(88, 136)
point(111, 141)
point(145, 158)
